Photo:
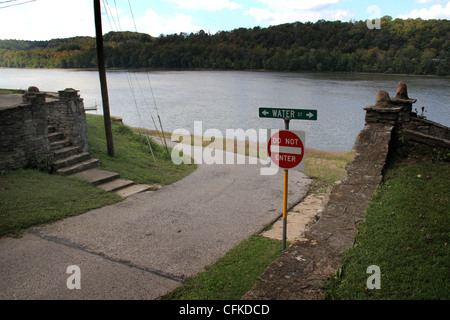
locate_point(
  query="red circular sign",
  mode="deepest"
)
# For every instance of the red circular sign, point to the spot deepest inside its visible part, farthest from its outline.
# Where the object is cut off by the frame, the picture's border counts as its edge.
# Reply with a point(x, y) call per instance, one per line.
point(290, 149)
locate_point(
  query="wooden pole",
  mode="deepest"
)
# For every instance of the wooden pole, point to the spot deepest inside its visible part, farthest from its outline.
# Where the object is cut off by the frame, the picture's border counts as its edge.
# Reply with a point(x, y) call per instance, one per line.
point(102, 74)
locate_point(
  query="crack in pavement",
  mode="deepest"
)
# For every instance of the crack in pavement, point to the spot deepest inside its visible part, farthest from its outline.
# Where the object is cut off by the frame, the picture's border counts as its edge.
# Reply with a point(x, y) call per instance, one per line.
point(70, 244)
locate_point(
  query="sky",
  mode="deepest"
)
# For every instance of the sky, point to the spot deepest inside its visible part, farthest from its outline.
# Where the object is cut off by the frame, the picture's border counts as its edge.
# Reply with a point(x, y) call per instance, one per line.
point(50, 19)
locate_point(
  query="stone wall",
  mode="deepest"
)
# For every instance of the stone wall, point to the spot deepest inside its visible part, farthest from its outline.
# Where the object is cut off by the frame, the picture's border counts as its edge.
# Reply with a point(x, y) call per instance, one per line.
point(23, 133)
point(24, 127)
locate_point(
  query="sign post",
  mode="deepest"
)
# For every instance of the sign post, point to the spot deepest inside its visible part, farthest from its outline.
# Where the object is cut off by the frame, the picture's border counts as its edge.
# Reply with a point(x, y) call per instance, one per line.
point(285, 194)
point(286, 148)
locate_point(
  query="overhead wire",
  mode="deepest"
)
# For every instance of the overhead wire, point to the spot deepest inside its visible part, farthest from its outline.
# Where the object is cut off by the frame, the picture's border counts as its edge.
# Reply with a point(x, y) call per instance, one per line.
point(151, 88)
point(139, 116)
point(157, 112)
point(117, 14)
point(16, 4)
point(130, 82)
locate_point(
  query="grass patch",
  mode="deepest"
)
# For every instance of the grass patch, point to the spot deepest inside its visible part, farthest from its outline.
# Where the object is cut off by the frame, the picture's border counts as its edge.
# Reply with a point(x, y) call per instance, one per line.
point(29, 197)
point(133, 159)
point(232, 275)
point(406, 233)
point(10, 91)
point(326, 167)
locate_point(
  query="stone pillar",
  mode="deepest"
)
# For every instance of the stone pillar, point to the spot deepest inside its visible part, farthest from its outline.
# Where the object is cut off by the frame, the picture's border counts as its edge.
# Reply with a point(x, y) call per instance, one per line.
point(402, 101)
point(68, 116)
point(396, 111)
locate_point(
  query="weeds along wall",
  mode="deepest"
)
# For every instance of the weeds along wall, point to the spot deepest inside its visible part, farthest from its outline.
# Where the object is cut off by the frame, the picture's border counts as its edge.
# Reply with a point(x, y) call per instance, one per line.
point(24, 136)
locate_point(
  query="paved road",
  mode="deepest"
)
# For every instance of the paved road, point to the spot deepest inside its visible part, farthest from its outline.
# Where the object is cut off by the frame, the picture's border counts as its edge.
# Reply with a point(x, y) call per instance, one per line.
point(146, 245)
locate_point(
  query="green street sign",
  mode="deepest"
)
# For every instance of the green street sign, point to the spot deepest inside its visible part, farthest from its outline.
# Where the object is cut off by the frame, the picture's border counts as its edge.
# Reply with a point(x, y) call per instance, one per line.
point(299, 114)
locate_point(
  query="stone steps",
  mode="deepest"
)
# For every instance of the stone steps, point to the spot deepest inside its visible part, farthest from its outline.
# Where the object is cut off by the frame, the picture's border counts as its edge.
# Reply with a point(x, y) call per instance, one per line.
point(81, 166)
point(71, 160)
point(56, 145)
point(55, 136)
point(68, 159)
point(97, 176)
point(116, 185)
point(66, 152)
point(111, 182)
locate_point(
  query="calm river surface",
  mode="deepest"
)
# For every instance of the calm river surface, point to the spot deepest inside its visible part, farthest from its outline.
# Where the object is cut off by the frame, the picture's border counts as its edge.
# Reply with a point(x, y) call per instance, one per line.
point(231, 99)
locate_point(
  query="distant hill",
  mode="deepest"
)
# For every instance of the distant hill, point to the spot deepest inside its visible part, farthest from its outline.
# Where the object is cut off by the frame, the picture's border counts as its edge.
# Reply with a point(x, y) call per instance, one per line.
point(412, 46)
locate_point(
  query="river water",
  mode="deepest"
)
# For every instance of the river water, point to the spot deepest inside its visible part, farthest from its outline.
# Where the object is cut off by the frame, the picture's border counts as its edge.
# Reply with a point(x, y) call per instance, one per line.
point(231, 99)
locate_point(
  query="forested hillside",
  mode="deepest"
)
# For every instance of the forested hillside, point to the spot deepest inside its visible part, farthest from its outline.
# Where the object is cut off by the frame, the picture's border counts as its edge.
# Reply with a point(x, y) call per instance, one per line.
point(400, 46)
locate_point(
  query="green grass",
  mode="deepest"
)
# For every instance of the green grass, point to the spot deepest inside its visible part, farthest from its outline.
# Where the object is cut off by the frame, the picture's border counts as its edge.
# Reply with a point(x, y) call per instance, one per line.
point(326, 167)
point(29, 197)
point(133, 159)
point(232, 275)
point(406, 234)
point(10, 91)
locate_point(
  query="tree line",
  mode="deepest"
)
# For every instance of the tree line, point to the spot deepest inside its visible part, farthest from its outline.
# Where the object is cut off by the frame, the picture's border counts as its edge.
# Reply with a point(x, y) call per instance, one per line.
point(412, 46)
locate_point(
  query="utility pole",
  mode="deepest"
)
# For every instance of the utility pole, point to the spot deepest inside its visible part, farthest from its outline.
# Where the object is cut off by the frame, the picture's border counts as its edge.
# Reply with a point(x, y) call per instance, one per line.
point(102, 74)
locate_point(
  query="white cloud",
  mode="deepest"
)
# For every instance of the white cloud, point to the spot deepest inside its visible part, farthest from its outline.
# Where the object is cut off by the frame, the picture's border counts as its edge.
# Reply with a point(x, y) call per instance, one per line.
point(297, 4)
point(428, 1)
point(47, 19)
point(207, 5)
point(51, 19)
point(283, 11)
point(436, 11)
point(154, 24)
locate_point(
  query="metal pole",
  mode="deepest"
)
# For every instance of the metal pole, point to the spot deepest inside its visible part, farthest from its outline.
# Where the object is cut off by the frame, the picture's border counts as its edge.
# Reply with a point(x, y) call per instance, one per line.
point(285, 190)
point(285, 193)
point(102, 74)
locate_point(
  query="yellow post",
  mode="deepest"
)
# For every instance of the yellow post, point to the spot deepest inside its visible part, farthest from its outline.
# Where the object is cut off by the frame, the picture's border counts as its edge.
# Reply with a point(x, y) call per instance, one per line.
point(285, 195)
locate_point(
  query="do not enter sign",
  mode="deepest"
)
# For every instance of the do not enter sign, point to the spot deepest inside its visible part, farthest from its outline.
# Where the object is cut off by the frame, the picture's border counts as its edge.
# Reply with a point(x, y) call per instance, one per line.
point(286, 149)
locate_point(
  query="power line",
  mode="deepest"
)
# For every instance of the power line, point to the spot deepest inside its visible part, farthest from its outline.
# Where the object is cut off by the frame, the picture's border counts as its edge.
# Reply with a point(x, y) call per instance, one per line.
point(16, 4)
point(8, 1)
point(130, 82)
point(108, 9)
point(117, 14)
point(150, 84)
point(132, 15)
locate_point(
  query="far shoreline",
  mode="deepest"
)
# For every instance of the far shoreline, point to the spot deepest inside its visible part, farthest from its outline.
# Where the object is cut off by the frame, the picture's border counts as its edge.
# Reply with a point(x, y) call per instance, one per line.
point(241, 70)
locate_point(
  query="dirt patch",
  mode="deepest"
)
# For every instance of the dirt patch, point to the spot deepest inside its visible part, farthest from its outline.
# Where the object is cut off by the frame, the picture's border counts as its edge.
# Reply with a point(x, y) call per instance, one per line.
point(298, 219)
